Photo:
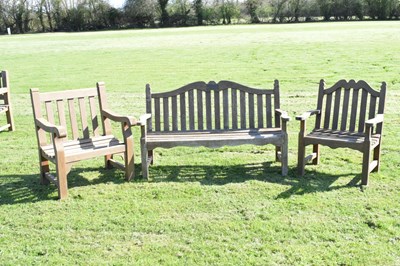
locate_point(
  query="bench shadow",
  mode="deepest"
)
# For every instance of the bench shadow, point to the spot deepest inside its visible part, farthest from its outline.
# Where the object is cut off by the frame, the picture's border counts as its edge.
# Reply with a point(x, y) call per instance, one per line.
point(17, 189)
point(311, 182)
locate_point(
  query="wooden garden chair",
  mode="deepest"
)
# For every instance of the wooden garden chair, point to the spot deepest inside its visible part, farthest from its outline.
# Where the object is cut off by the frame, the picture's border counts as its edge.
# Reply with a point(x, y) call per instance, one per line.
point(70, 139)
point(348, 115)
point(5, 104)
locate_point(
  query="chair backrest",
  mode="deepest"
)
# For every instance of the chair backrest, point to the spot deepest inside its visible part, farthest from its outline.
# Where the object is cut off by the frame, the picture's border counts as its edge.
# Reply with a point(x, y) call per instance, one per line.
point(76, 110)
point(212, 106)
point(348, 104)
point(4, 86)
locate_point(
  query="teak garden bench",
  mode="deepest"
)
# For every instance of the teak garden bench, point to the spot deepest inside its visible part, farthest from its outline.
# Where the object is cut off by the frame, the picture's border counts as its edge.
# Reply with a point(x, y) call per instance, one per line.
point(348, 115)
point(5, 106)
point(70, 139)
point(213, 115)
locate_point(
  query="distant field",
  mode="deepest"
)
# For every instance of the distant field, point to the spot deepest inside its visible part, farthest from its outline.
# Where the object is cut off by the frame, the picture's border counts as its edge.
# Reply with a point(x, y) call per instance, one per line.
point(227, 206)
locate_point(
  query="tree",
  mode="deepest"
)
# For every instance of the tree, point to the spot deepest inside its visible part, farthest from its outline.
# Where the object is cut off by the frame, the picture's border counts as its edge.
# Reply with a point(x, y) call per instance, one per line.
point(252, 6)
point(164, 13)
point(198, 9)
point(140, 13)
point(278, 7)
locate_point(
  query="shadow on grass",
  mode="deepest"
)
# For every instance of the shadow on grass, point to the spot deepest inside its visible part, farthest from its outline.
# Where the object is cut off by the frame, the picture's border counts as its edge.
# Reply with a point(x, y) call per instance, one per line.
point(16, 189)
point(221, 175)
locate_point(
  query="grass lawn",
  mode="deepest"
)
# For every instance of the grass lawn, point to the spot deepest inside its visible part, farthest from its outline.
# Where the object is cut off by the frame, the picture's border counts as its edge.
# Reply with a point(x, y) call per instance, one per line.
point(227, 206)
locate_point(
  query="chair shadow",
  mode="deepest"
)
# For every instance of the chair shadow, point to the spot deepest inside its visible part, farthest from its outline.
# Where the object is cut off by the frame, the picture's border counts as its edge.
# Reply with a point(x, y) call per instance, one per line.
point(18, 189)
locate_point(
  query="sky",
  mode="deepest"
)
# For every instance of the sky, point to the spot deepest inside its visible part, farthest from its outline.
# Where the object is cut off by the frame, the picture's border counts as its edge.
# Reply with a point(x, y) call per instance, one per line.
point(116, 3)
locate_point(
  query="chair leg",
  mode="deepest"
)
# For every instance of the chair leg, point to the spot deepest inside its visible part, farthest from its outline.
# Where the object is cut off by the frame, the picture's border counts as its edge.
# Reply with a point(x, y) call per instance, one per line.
point(365, 167)
point(377, 158)
point(10, 119)
point(62, 172)
point(277, 151)
point(129, 162)
point(301, 151)
point(316, 151)
point(151, 155)
point(107, 159)
point(44, 168)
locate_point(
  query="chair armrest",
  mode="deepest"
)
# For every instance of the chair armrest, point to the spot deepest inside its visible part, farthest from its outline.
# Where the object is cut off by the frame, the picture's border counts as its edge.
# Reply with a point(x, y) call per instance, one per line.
point(129, 120)
point(373, 121)
point(143, 119)
point(283, 114)
point(307, 114)
point(60, 131)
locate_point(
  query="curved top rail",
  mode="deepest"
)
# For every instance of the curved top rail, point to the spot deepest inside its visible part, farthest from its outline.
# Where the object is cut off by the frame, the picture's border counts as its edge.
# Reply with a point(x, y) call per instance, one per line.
point(361, 84)
point(224, 84)
point(200, 85)
point(211, 86)
point(68, 94)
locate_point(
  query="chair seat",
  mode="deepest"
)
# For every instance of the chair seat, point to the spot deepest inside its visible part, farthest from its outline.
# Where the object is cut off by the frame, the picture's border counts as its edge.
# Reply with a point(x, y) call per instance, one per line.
point(337, 139)
point(76, 150)
point(214, 139)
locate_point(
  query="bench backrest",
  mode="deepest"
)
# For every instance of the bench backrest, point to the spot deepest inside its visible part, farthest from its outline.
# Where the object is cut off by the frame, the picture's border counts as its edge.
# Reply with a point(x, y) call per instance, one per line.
point(76, 110)
point(347, 105)
point(203, 106)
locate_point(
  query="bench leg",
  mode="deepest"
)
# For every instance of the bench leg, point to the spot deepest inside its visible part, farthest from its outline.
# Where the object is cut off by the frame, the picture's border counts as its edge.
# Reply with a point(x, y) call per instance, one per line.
point(284, 158)
point(144, 154)
point(129, 160)
point(365, 167)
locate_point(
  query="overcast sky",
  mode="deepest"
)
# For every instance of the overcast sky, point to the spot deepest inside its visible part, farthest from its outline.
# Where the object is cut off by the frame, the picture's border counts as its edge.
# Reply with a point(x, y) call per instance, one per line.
point(116, 3)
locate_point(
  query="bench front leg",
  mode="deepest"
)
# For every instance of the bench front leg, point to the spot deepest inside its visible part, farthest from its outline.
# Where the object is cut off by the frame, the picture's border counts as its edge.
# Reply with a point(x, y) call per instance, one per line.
point(144, 152)
point(284, 149)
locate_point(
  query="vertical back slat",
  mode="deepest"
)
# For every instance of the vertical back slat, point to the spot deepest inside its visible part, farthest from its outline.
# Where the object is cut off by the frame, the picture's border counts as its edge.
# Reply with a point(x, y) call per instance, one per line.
point(319, 103)
point(72, 116)
point(381, 107)
point(354, 106)
point(93, 112)
point(260, 111)
point(166, 113)
point(234, 109)
point(182, 99)
point(328, 108)
point(61, 113)
point(200, 120)
point(49, 111)
point(345, 109)
point(268, 107)
point(277, 103)
point(149, 108)
point(225, 103)
point(82, 109)
point(174, 113)
point(336, 107)
point(243, 116)
point(217, 111)
point(363, 107)
point(157, 114)
point(372, 107)
point(208, 110)
point(191, 110)
point(251, 111)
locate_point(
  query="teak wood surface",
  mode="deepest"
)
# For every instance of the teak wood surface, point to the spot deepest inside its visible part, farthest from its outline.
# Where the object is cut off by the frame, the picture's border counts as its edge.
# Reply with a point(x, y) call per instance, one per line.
point(5, 102)
point(68, 131)
point(213, 115)
point(348, 115)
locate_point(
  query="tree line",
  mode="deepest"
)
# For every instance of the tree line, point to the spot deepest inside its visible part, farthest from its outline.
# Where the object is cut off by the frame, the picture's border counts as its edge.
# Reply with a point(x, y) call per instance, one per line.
point(23, 16)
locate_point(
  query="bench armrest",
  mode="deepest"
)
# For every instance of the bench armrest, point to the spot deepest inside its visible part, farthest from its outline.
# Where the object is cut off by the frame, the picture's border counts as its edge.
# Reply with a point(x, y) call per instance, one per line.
point(374, 121)
point(129, 120)
point(283, 114)
point(307, 114)
point(143, 119)
point(60, 131)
